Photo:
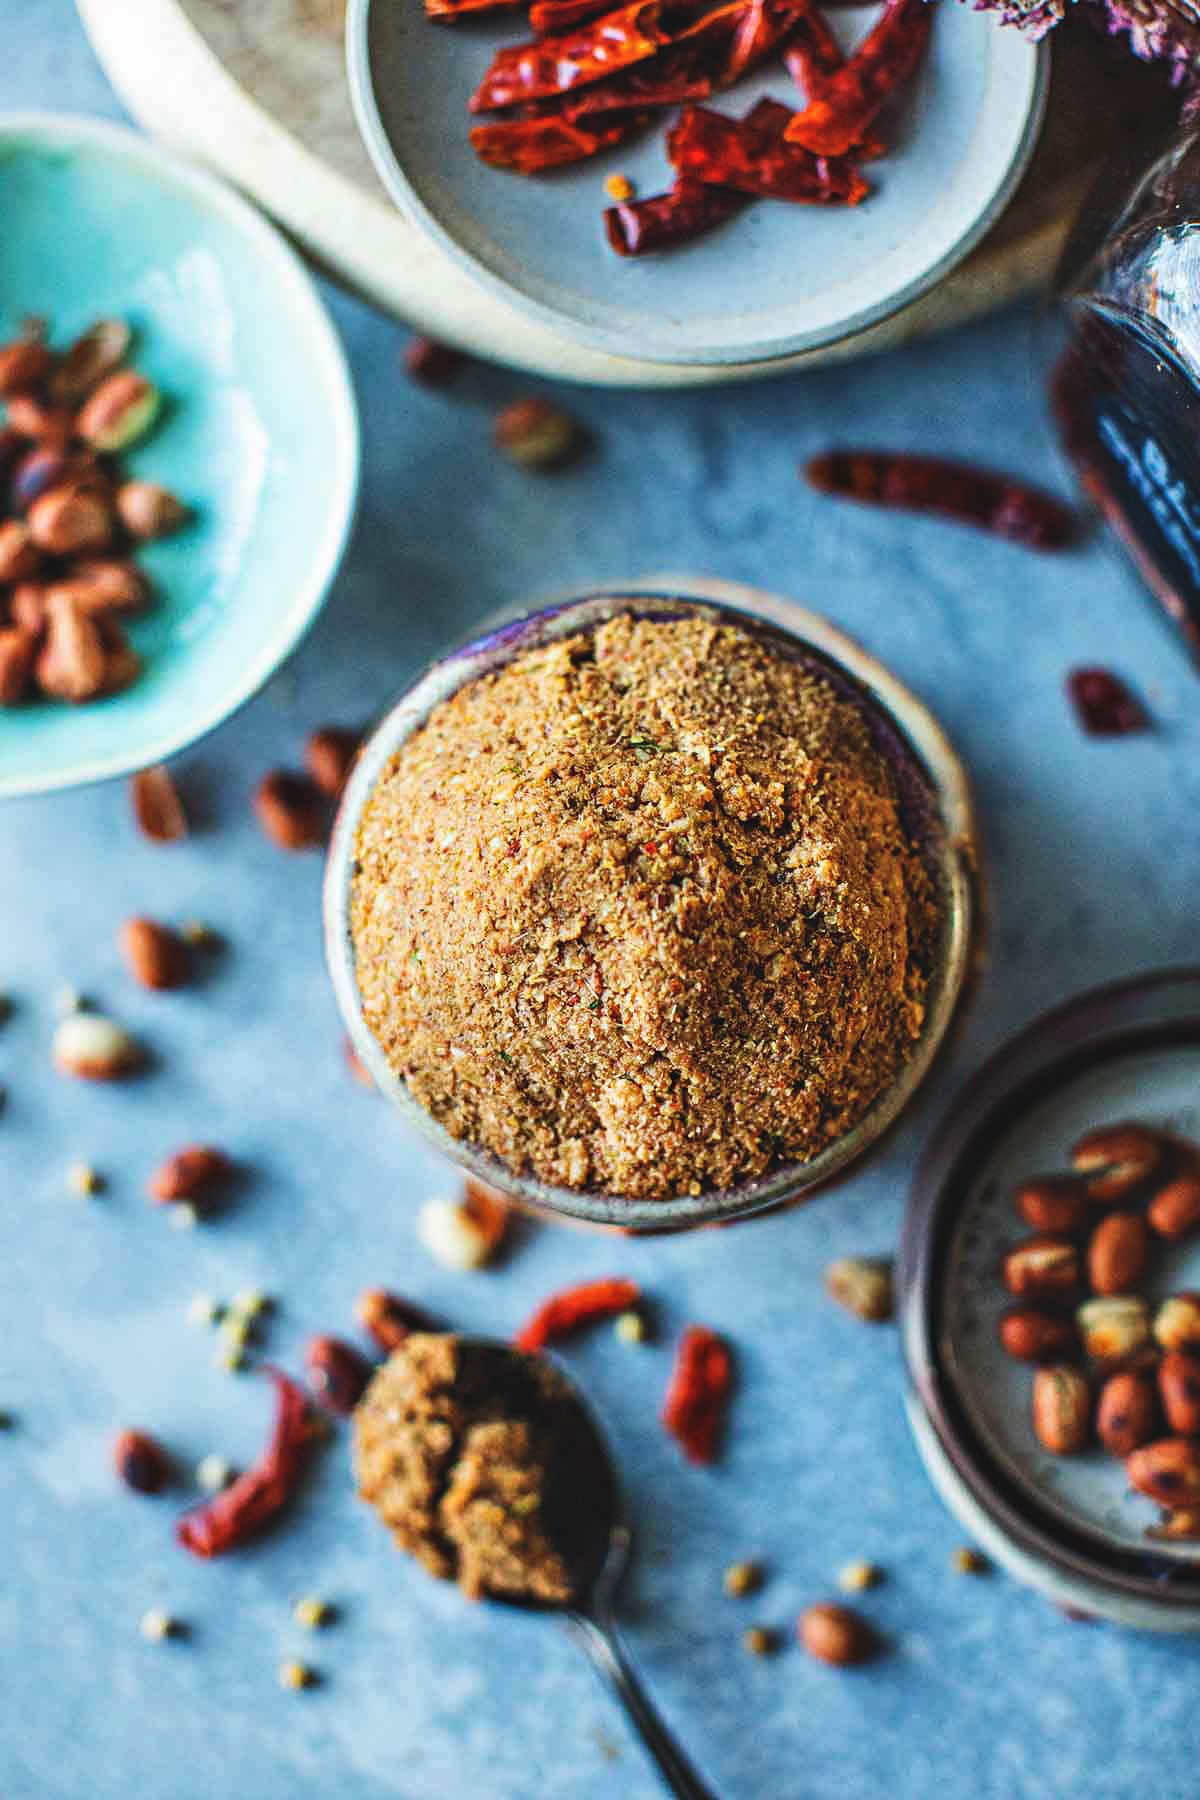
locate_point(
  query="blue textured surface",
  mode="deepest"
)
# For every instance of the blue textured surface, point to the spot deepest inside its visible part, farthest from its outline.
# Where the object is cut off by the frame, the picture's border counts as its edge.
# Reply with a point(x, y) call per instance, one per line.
point(988, 1693)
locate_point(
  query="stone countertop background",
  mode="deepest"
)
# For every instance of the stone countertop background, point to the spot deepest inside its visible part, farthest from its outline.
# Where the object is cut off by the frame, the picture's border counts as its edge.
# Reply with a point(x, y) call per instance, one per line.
point(1092, 850)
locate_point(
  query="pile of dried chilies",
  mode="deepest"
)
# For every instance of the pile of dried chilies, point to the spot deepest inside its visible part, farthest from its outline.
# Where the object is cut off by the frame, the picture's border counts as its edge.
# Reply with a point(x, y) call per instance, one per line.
point(594, 77)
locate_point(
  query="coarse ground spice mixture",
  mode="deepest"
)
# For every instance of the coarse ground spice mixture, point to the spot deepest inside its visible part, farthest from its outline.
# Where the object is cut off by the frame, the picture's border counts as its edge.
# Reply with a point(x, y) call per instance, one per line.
point(637, 911)
point(480, 1462)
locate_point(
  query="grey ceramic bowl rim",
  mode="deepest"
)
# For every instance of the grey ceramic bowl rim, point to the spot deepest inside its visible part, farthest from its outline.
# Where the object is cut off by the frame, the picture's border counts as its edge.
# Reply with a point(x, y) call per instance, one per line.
point(915, 735)
point(1150, 1590)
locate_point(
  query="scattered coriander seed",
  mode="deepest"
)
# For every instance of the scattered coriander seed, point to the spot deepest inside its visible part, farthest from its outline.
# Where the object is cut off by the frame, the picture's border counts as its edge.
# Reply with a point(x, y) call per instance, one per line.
point(83, 1179)
point(619, 187)
point(199, 935)
point(312, 1613)
point(296, 1675)
point(203, 1310)
point(213, 1473)
point(759, 1641)
point(630, 1328)
point(158, 1625)
point(859, 1575)
point(743, 1578)
point(966, 1561)
point(182, 1215)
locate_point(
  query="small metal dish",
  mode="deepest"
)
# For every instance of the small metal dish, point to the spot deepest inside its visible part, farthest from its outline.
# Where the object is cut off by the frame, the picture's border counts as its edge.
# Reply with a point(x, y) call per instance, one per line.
point(1068, 1526)
point(938, 812)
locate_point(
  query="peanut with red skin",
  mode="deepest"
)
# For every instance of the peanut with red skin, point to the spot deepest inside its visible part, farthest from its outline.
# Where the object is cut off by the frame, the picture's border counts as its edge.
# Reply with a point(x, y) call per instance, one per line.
point(1126, 1412)
point(1179, 1390)
point(121, 410)
point(123, 664)
point(157, 957)
point(71, 521)
point(1167, 1471)
point(107, 584)
point(101, 350)
point(141, 1462)
point(1174, 1212)
point(1117, 1159)
point(337, 1373)
point(1054, 1203)
point(27, 607)
point(1117, 1253)
point(291, 810)
point(17, 651)
point(1031, 1334)
point(836, 1635)
point(330, 754)
point(1042, 1265)
point(195, 1173)
point(536, 435)
point(73, 661)
point(24, 365)
point(157, 807)
point(148, 510)
point(1062, 1409)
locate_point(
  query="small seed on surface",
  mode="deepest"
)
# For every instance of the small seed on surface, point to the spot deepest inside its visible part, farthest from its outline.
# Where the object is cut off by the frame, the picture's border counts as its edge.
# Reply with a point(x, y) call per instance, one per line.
point(296, 1675)
point(630, 1328)
point(760, 1640)
point(93, 1048)
point(199, 935)
point(967, 1561)
point(83, 1179)
point(250, 1303)
point(213, 1473)
point(743, 1578)
point(157, 1626)
point(203, 1310)
point(863, 1285)
point(182, 1215)
point(312, 1612)
point(855, 1577)
point(834, 1634)
point(536, 435)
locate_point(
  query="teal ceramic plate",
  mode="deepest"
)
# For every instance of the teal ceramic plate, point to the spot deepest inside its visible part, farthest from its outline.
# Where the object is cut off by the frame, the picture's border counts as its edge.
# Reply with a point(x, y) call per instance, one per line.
point(259, 433)
point(776, 279)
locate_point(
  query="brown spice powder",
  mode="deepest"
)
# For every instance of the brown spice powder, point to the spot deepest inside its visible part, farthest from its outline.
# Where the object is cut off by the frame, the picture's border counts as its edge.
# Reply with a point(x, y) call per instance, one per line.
point(637, 911)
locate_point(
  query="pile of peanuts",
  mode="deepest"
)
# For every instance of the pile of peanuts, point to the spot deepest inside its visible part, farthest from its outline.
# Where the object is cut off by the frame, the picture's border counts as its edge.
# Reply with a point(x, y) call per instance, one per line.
point(1108, 1368)
point(69, 522)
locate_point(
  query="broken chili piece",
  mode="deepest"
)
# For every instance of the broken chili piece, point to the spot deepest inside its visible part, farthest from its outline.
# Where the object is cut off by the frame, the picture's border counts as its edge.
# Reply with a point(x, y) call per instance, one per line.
point(847, 103)
point(813, 55)
point(1105, 706)
point(685, 211)
point(752, 154)
point(694, 1410)
point(549, 18)
point(239, 1511)
point(572, 1309)
point(529, 145)
point(446, 11)
point(956, 490)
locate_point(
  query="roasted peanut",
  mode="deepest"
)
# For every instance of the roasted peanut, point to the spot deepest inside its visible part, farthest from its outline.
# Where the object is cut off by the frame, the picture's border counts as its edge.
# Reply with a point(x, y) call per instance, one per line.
point(1062, 1408)
point(1179, 1390)
point(1126, 1412)
point(291, 810)
point(1117, 1253)
point(1174, 1212)
point(39, 422)
point(834, 1634)
point(141, 1462)
point(100, 351)
point(1168, 1471)
point(71, 521)
point(94, 1048)
point(1117, 1159)
point(149, 511)
point(330, 754)
point(37, 472)
point(156, 955)
point(537, 435)
point(73, 661)
point(337, 1373)
point(121, 410)
point(1054, 1203)
point(197, 1173)
point(1114, 1327)
point(1177, 1322)
point(27, 607)
point(108, 584)
point(1031, 1334)
point(1042, 1265)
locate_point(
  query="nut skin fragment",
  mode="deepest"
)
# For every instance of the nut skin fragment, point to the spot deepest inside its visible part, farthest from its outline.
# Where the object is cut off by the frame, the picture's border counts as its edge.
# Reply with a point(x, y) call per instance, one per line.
point(1126, 1412)
point(1174, 1212)
point(196, 1172)
point(1179, 1390)
point(1042, 1265)
point(1118, 1251)
point(1117, 1159)
point(141, 1462)
point(1167, 1471)
point(1062, 1409)
point(834, 1634)
point(93, 1048)
point(1032, 1334)
point(862, 1286)
point(330, 755)
point(291, 810)
point(157, 807)
point(157, 957)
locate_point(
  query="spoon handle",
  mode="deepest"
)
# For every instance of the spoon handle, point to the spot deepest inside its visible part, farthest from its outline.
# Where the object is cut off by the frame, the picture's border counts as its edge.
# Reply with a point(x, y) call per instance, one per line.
point(598, 1638)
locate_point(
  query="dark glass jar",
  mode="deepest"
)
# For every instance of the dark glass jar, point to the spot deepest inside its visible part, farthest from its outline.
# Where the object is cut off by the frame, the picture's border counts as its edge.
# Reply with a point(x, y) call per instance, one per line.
point(1126, 387)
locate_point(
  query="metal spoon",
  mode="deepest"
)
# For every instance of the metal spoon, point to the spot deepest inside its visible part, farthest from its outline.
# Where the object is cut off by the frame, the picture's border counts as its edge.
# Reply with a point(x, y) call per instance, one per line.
point(590, 1617)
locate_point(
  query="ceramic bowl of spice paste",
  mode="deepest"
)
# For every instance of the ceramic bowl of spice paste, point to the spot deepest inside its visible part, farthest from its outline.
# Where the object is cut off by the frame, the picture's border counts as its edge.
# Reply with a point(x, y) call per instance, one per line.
point(1076, 1521)
point(652, 906)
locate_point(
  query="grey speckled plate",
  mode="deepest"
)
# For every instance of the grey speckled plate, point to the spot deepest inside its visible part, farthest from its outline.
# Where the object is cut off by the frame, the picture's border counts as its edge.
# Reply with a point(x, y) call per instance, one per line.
point(776, 279)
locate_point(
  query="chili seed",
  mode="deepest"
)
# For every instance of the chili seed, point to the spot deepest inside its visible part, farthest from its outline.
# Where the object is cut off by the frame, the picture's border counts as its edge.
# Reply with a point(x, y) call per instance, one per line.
point(82, 1179)
point(296, 1675)
point(157, 1625)
point(213, 1473)
point(966, 1561)
point(312, 1613)
point(630, 1328)
point(857, 1576)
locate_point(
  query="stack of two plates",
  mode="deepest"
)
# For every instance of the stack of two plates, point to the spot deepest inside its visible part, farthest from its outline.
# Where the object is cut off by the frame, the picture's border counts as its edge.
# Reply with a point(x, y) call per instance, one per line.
point(775, 281)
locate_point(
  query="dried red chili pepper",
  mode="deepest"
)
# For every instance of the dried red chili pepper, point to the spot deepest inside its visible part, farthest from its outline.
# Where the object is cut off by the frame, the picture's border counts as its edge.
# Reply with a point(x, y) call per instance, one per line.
point(603, 46)
point(931, 484)
point(550, 17)
point(685, 211)
point(1105, 706)
point(763, 28)
point(813, 55)
point(694, 1410)
point(846, 105)
point(448, 10)
point(753, 155)
point(670, 79)
point(573, 1308)
point(529, 145)
point(240, 1510)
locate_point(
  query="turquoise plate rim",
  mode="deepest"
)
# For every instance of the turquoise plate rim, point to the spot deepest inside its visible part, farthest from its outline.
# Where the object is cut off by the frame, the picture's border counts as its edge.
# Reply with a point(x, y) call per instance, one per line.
point(73, 131)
